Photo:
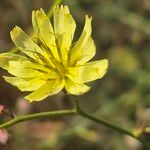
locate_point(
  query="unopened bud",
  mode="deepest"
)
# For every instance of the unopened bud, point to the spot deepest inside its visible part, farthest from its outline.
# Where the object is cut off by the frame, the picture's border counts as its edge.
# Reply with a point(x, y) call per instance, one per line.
point(4, 136)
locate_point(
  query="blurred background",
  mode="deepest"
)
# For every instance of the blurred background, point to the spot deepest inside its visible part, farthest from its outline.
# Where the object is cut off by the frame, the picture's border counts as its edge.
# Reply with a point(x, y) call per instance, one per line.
point(121, 30)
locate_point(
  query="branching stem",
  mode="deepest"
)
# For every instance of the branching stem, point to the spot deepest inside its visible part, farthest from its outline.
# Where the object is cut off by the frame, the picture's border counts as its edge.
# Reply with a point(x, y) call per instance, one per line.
point(76, 111)
point(106, 123)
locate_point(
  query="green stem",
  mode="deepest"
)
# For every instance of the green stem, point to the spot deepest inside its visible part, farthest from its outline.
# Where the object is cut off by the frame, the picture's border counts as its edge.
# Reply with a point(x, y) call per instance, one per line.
point(41, 115)
point(106, 123)
point(78, 111)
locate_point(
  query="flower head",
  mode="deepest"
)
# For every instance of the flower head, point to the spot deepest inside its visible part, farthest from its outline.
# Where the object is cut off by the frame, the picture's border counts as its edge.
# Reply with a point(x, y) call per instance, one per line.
point(51, 61)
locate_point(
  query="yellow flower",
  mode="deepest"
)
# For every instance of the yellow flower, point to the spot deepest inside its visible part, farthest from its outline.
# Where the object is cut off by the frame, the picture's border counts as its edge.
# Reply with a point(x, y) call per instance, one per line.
point(50, 61)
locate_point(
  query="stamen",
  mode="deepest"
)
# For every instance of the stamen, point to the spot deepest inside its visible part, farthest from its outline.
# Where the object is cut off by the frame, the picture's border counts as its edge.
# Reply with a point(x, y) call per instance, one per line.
point(58, 49)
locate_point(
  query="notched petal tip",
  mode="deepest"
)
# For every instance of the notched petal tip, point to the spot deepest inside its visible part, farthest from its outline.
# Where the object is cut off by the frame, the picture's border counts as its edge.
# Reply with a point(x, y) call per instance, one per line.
point(15, 31)
point(63, 8)
point(106, 62)
point(28, 99)
point(33, 12)
point(66, 9)
point(103, 68)
point(39, 14)
point(55, 7)
point(49, 88)
point(88, 21)
point(88, 18)
point(5, 78)
point(41, 9)
point(75, 88)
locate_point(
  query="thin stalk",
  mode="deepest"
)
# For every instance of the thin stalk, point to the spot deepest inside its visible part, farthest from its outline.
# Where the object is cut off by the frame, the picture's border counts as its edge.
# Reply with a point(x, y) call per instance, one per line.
point(106, 123)
point(49, 114)
point(75, 111)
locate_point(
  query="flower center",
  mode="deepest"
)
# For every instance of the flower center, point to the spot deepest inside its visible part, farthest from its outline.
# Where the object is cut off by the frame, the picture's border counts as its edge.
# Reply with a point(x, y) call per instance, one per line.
point(61, 69)
point(54, 64)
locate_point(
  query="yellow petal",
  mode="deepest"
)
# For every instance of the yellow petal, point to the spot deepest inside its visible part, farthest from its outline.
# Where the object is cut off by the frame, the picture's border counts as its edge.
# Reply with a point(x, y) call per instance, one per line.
point(24, 43)
point(85, 48)
point(75, 88)
point(49, 88)
point(89, 71)
point(26, 69)
point(44, 30)
point(64, 26)
point(6, 57)
point(29, 84)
